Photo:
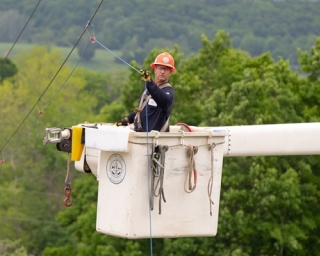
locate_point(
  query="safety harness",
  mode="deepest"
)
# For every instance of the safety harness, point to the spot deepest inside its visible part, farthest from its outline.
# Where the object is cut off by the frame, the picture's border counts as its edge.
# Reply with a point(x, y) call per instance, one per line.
point(143, 101)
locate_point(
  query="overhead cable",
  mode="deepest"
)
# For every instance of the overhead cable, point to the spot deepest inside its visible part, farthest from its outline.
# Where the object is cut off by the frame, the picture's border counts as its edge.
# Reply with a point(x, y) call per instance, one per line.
point(48, 86)
point(22, 30)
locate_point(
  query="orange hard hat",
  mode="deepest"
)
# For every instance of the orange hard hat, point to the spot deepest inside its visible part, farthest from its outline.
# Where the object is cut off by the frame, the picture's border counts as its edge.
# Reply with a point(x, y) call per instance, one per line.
point(164, 59)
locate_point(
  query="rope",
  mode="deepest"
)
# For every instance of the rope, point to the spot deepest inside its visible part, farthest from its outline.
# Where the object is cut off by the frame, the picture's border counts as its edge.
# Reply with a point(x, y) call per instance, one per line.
point(157, 175)
point(184, 125)
point(149, 190)
point(94, 39)
point(170, 146)
point(192, 150)
point(210, 182)
point(67, 190)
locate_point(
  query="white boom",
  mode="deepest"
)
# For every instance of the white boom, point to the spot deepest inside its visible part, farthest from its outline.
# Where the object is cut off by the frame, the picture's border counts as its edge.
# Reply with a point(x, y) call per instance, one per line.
point(272, 140)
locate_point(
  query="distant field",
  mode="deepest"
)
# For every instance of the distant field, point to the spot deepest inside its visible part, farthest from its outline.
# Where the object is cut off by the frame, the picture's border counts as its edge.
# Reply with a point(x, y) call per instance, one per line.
point(102, 61)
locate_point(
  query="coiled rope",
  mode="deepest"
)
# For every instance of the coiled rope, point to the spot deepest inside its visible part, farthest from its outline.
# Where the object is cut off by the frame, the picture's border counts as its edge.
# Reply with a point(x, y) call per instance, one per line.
point(157, 175)
point(191, 151)
point(210, 182)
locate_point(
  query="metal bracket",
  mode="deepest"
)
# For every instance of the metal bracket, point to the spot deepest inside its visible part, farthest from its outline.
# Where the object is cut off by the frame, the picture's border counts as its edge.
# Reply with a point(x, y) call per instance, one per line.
point(55, 135)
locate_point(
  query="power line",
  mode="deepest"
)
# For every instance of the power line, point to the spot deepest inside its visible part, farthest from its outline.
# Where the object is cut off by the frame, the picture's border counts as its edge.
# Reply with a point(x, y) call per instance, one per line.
point(48, 86)
point(34, 122)
point(22, 30)
point(68, 76)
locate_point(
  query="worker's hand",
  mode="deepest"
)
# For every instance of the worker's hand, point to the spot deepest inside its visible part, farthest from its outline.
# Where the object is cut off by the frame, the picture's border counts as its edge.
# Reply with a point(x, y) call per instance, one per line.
point(122, 122)
point(146, 75)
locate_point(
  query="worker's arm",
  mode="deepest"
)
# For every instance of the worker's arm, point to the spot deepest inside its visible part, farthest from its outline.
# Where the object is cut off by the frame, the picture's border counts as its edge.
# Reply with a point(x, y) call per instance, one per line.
point(163, 97)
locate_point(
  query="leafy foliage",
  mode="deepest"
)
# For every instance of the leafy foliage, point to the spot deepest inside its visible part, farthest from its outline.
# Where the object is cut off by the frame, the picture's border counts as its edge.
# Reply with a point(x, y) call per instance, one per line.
point(8, 69)
point(84, 51)
point(12, 248)
point(32, 179)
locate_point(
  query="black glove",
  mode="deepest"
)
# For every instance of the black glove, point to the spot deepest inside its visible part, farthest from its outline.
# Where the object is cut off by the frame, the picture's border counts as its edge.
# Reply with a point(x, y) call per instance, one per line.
point(146, 75)
point(122, 122)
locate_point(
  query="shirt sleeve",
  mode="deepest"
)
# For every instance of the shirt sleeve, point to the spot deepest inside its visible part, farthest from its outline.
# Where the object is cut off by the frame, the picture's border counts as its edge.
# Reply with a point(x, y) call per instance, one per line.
point(163, 97)
point(131, 117)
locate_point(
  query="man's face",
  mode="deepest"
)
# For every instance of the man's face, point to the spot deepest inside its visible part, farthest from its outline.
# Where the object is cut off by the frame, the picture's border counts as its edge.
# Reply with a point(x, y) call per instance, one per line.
point(162, 74)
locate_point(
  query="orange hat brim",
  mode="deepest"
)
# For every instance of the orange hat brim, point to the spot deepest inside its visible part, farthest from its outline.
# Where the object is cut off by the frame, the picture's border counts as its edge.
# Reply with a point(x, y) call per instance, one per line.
point(153, 65)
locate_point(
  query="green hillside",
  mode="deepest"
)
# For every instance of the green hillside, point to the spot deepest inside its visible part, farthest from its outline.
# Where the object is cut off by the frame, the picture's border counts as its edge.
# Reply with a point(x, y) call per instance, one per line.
point(136, 27)
point(102, 60)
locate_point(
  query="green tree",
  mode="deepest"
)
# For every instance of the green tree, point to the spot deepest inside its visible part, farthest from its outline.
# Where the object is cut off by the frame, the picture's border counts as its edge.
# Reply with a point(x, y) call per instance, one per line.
point(7, 69)
point(104, 87)
point(180, 22)
point(32, 179)
point(12, 248)
point(205, 79)
point(86, 49)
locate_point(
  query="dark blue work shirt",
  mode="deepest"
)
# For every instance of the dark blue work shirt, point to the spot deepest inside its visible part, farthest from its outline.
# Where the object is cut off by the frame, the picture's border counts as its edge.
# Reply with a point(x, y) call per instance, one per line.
point(158, 109)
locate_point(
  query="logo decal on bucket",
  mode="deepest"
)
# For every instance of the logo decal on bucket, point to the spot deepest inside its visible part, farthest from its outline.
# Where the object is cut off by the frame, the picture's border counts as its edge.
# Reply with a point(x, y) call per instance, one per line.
point(116, 168)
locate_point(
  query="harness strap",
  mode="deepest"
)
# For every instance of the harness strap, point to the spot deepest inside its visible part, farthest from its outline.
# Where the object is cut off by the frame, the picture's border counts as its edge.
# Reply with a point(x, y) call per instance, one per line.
point(143, 102)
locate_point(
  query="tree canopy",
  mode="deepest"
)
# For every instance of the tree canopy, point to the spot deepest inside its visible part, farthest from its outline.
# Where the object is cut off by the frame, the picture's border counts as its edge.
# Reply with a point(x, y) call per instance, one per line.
point(136, 27)
point(8, 69)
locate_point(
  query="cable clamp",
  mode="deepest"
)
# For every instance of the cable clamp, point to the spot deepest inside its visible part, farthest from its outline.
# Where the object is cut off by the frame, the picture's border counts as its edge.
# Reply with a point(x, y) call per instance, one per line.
point(92, 39)
point(55, 135)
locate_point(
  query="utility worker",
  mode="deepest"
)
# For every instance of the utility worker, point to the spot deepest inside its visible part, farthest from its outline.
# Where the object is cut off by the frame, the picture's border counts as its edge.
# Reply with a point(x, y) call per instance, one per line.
point(156, 101)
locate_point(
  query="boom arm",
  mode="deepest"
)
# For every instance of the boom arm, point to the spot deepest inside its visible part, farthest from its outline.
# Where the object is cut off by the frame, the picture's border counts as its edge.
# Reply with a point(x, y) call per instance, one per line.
point(271, 140)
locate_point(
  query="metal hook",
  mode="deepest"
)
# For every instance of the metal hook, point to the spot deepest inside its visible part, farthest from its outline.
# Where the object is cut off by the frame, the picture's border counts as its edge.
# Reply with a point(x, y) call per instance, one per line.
point(89, 24)
point(67, 191)
point(156, 137)
point(67, 201)
point(210, 139)
point(182, 138)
